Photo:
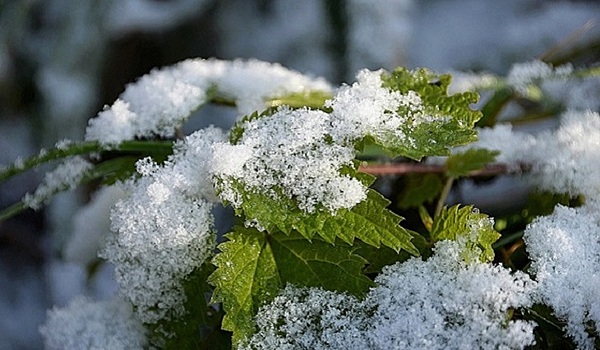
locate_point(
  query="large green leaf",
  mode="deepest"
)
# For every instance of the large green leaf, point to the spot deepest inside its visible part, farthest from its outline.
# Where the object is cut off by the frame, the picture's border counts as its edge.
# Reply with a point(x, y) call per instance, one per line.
point(247, 276)
point(466, 225)
point(373, 224)
point(252, 266)
point(368, 221)
point(317, 263)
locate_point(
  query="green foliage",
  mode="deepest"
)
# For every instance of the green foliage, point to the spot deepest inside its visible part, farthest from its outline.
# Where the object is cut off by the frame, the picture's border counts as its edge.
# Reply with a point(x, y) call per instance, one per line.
point(450, 119)
point(492, 108)
point(253, 266)
point(466, 225)
point(310, 99)
point(246, 277)
point(112, 164)
point(341, 250)
point(460, 164)
point(541, 203)
point(368, 221)
point(200, 327)
point(420, 189)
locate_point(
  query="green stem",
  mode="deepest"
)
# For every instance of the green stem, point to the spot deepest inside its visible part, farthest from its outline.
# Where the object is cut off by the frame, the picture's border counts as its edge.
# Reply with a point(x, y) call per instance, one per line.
point(48, 156)
point(89, 147)
point(12, 211)
point(507, 239)
point(443, 196)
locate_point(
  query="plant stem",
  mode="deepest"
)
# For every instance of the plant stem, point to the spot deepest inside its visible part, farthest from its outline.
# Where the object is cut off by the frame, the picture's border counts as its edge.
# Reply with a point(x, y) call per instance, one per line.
point(443, 196)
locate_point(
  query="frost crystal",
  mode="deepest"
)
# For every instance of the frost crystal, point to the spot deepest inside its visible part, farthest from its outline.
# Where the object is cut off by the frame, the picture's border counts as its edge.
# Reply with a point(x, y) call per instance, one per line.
point(84, 324)
point(164, 229)
point(289, 152)
point(66, 176)
point(161, 101)
point(524, 74)
point(441, 303)
point(565, 160)
point(367, 108)
point(310, 318)
point(565, 252)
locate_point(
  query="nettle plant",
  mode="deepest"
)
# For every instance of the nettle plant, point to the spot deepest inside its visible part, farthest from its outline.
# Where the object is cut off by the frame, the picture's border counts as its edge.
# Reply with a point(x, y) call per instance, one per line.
point(317, 259)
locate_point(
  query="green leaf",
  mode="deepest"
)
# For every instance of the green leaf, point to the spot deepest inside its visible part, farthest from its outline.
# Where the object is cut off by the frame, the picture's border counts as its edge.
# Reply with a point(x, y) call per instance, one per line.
point(460, 164)
point(450, 119)
point(492, 108)
point(472, 229)
point(317, 263)
point(252, 266)
point(378, 258)
point(200, 327)
point(420, 189)
point(247, 276)
point(368, 221)
point(542, 203)
point(311, 99)
point(373, 224)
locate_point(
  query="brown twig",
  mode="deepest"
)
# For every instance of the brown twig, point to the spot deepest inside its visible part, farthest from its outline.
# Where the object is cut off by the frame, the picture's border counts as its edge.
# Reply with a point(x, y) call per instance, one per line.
point(419, 168)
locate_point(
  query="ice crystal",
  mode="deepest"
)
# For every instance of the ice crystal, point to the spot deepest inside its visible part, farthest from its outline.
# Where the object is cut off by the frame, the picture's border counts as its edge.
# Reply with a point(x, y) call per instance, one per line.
point(443, 303)
point(440, 303)
point(163, 230)
point(162, 100)
point(290, 152)
point(564, 161)
point(522, 75)
point(66, 176)
point(85, 324)
point(367, 108)
point(310, 318)
point(565, 252)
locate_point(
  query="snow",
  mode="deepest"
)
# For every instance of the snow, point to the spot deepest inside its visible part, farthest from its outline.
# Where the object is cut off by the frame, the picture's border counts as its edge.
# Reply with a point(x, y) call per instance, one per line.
point(367, 108)
point(67, 175)
point(85, 324)
point(289, 152)
point(562, 161)
point(68, 47)
point(440, 303)
point(564, 248)
point(161, 101)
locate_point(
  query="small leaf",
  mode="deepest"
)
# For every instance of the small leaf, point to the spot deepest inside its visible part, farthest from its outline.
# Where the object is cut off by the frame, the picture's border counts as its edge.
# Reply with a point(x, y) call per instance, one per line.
point(474, 230)
point(449, 122)
point(246, 277)
point(420, 189)
point(494, 105)
point(460, 164)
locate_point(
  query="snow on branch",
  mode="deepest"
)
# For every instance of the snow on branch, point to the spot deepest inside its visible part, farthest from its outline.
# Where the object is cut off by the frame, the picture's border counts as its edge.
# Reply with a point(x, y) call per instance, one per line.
point(162, 100)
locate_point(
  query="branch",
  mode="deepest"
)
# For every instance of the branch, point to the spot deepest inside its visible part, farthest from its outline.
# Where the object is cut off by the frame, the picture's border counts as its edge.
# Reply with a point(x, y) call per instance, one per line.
point(418, 168)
